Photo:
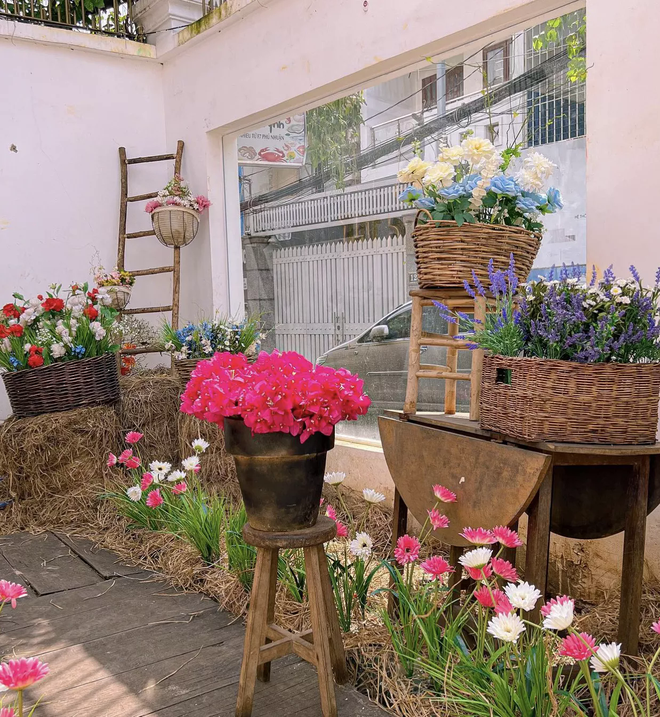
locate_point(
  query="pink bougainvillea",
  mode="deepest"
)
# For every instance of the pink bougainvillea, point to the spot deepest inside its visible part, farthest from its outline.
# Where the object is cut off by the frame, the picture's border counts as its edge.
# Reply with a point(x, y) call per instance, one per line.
point(278, 393)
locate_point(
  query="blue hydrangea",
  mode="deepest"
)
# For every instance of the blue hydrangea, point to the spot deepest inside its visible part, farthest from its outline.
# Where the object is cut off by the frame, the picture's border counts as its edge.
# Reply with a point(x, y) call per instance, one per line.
point(425, 203)
point(78, 351)
point(410, 194)
point(505, 185)
point(470, 183)
point(527, 205)
point(456, 191)
point(554, 199)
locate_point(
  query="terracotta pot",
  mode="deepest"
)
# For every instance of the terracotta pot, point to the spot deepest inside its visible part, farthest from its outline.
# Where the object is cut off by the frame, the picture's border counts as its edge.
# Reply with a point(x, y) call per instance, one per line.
point(281, 479)
point(175, 226)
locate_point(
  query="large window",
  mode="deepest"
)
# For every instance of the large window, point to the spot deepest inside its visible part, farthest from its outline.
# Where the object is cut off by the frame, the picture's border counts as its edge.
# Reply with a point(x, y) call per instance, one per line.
point(454, 83)
point(429, 92)
point(497, 61)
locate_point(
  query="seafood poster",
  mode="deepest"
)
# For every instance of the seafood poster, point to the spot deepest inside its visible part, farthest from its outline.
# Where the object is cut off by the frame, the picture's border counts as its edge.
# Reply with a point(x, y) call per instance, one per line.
point(282, 142)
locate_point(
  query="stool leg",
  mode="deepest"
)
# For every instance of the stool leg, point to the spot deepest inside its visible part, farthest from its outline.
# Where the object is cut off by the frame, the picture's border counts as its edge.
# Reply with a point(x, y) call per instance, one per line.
point(337, 654)
point(477, 362)
point(414, 358)
point(321, 632)
point(452, 366)
point(255, 634)
point(263, 671)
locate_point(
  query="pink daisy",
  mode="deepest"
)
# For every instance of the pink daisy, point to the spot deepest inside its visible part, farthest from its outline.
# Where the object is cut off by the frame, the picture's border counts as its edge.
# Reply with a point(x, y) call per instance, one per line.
point(133, 437)
point(125, 455)
point(656, 627)
point(342, 530)
point(154, 499)
point(444, 494)
point(147, 480)
point(133, 462)
point(407, 549)
point(180, 488)
point(7, 712)
point(504, 569)
point(493, 598)
point(10, 592)
point(479, 536)
point(479, 573)
point(112, 460)
point(331, 512)
point(19, 674)
point(545, 610)
point(579, 647)
point(436, 567)
point(507, 537)
point(438, 520)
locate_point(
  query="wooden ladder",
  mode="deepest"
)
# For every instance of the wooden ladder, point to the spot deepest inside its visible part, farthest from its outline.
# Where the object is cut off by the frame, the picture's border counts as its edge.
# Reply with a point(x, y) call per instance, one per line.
point(174, 268)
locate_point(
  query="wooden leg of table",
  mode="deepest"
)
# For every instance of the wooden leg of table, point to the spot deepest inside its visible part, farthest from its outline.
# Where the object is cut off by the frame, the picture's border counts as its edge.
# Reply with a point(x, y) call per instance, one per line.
point(255, 634)
point(414, 358)
point(477, 362)
point(452, 366)
point(632, 572)
point(538, 540)
point(399, 528)
point(337, 654)
point(320, 631)
point(263, 671)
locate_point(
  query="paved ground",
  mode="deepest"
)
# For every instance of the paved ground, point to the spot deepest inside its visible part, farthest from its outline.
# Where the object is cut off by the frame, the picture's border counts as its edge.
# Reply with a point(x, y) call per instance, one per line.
point(120, 644)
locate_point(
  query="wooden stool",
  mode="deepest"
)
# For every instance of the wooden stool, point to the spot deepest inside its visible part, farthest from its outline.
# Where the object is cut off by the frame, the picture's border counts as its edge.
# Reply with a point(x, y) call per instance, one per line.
point(456, 299)
point(265, 641)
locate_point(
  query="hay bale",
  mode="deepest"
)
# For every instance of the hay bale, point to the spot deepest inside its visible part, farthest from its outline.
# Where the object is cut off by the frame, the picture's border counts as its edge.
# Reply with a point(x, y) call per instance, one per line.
point(218, 470)
point(55, 464)
point(150, 405)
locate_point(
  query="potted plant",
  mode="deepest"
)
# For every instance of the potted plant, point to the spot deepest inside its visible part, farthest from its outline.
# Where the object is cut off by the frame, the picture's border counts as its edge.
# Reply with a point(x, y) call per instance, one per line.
point(58, 353)
point(474, 205)
point(201, 340)
point(278, 415)
point(175, 213)
point(118, 285)
point(568, 361)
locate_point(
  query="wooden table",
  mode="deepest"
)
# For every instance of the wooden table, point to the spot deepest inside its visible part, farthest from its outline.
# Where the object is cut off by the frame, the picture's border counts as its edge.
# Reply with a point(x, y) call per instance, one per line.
point(641, 459)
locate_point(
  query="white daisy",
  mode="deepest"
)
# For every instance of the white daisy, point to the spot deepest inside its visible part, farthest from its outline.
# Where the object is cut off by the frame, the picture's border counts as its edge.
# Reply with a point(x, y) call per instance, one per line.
point(159, 469)
point(523, 596)
point(606, 657)
point(507, 628)
point(560, 616)
point(476, 558)
point(175, 476)
point(335, 478)
point(190, 464)
point(372, 496)
point(134, 493)
point(361, 546)
point(200, 445)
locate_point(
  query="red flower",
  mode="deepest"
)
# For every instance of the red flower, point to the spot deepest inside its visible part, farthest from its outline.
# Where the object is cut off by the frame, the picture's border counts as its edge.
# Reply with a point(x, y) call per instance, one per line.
point(479, 573)
point(180, 488)
point(4, 331)
point(93, 294)
point(147, 480)
point(436, 567)
point(35, 360)
point(407, 549)
point(125, 455)
point(133, 436)
point(504, 569)
point(444, 494)
point(579, 647)
point(91, 312)
point(11, 311)
point(494, 598)
point(16, 330)
point(154, 499)
point(53, 305)
point(342, 530)
point(438, 520)
point(133, 462)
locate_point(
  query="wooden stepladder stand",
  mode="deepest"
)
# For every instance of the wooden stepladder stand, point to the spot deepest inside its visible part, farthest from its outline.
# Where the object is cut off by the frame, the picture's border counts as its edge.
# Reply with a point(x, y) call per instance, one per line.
point(175, 267)
point(265, 641)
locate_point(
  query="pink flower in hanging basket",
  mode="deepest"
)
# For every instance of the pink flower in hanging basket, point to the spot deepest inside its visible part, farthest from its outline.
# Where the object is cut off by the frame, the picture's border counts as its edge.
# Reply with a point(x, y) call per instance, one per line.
point(202, 202)
point(153, 204)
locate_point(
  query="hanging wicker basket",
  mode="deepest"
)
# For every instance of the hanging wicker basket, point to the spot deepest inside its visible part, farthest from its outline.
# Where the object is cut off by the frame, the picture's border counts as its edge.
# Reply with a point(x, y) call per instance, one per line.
point(447, 254)
point(546, 400)
point(183, 368)
point(175, 226)
point(63, 386)
point(119, 295)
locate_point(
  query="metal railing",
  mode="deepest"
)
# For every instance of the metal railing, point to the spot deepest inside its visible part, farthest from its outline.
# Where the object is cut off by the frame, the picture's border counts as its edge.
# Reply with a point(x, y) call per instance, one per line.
point(326, 209)
point(107, 17)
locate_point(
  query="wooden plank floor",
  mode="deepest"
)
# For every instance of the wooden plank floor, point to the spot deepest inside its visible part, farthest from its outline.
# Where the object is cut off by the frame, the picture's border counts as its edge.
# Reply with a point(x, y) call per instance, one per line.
point(120, 643)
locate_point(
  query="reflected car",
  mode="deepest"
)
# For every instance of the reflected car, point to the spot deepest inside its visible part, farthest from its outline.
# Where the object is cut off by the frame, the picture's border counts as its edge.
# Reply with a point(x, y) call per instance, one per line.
point(380, 357)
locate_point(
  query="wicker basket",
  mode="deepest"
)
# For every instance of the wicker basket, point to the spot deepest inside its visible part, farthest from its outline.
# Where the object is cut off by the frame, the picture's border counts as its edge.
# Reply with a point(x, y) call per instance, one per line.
point(183, 368)
point(545, 400)
point(175, 226)
point(63, 386)
point(447, 254)
point(119, 295)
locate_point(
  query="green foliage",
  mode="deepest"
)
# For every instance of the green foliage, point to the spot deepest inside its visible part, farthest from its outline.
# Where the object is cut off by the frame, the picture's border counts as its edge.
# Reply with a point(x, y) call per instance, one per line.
point(241, 557)
point(198, 519)
point(351, 582)
point(570, 29)
point(333, 133)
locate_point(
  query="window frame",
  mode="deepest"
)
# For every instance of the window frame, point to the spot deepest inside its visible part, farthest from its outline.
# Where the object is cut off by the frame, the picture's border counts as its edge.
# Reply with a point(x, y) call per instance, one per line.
point(461, 85)
point(429, 82)
point(505, 46)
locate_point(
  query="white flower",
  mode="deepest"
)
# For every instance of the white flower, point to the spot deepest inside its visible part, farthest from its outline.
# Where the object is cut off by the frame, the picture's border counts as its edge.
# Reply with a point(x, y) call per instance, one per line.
point(98, 330)
point(615, 291)
point(606, 657)
point(372, 496)
point(159, 469)
point(538, 164)
point(441, 174)
point(189, 464)
point(57, 350)
point(477, 149)
point(179, 356)
point(529, 181)
point(6, 345)
point(27, 347)
point(362, 545)
point(507, 628)
point(103, 298)
point(453, 155)
point(491, 166)
point(335, 478)
point(560, 616)
point(206, 345)
point(77, 311)
point(200, 445)
point(523, 596)
point(176, 476)
point(414, 172)
point(134, 493)
point(623, 299)
point(170, 346)
point(476, 558)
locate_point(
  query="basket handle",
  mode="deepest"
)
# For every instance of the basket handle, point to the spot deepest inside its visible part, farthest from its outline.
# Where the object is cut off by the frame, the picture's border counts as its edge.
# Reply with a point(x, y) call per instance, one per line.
point(423, 211)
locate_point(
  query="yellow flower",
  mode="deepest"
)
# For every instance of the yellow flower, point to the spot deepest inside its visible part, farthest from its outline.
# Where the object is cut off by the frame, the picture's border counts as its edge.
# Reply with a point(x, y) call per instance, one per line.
point(477, 149)
point(414, 172)
point(453, 155)
point(441, 174)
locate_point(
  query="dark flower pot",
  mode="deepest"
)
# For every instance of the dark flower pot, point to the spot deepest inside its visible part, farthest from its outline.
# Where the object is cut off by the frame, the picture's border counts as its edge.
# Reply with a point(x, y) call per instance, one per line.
point(281, 479)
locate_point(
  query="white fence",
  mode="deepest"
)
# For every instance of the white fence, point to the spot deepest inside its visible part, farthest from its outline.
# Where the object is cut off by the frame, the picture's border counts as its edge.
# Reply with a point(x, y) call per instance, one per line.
point(326, 209)
point(328, 293)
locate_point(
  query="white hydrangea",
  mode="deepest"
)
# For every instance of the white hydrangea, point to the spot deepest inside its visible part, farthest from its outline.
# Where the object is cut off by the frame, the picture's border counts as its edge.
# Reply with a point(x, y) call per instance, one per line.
point(57, 350)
